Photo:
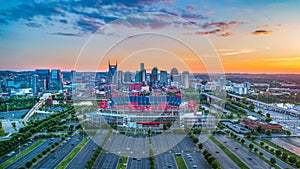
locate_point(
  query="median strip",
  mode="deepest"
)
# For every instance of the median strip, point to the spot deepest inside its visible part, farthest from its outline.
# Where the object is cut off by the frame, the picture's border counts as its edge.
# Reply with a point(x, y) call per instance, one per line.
point(180, 162)
point(233, 157)
point(23, 153)
point(71, 155)
point(123, 162)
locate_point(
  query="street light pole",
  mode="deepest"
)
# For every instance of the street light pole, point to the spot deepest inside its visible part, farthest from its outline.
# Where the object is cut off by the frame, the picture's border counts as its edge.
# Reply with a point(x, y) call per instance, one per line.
point(19, 145)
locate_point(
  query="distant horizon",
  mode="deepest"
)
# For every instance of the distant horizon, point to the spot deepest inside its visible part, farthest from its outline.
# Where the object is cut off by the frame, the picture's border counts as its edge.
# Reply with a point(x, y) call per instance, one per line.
point(64, 70)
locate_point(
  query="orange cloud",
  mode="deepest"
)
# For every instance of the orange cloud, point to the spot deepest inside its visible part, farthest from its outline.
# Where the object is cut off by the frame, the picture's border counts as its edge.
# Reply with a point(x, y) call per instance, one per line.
point(227, 34)
point(261, 32)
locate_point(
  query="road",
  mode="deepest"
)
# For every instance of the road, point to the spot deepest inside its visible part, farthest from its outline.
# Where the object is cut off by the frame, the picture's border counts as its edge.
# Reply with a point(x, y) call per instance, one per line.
point(165, 160)
point(33, 153)
point(5, 158)
point(85, 154)
point(195, 160)
point(248, 157)
point(223, 159)
point(53, 159)
point(106, 161)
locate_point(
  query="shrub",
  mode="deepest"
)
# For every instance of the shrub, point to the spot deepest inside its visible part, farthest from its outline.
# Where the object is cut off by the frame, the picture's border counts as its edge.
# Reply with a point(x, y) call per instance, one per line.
point(292, 159)
point(28, 164)
point(40, 156)
point(34, 159)
point(284, 156)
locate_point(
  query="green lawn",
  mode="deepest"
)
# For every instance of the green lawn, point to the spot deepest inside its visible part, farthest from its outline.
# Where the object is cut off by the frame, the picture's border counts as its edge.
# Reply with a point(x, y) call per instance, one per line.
point(23, 153)
point(63, 164)
point(180, 162)
point(233, 157)
point(123, 162)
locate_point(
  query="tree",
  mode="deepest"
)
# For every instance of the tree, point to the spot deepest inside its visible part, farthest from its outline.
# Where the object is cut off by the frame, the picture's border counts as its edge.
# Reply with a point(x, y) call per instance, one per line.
point(278, 152)
point(34, 159)
point(268, 115)
point(288, 132)
point(252, 106)
point(251, 146)
point(268, 133)
point(244, 100)
point(284, 156)
point(292, 159)
point(262, 143)
point(243, 141)
point(165, 127)
point(259, 128)
point(28, 164)
point(273, 160)
point(298, 164)
point(259, 112)
point(200, 146)
point(255, 149)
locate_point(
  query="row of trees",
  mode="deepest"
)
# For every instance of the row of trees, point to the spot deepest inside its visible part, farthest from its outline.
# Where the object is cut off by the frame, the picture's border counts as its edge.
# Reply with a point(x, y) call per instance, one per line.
point(212, 161)
point(34, 127)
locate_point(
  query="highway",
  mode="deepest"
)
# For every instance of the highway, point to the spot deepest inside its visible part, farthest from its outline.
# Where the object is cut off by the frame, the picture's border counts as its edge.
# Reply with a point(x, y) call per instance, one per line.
point(248, 157)
point(54, 158)
point(85, 154)
point(223, 159)
point(33, 153)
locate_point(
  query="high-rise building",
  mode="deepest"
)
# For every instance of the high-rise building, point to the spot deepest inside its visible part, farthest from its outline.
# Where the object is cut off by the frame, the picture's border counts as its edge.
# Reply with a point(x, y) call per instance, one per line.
point(44, 78)
point(174, 71)
point(56, 80)
point(185, 79)
point(142, 66)
point(163, 77)
point(140, 76)
point(35, 83)
point(127, 77)
point(111, 74)
point(154, 76)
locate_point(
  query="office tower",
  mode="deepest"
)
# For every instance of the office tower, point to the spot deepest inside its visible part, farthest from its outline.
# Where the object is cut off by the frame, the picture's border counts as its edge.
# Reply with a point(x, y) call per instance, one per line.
point(35, 83)
point(127, 77)
point(174, 71)
point(163, 77)
point(142, 66)
point(44, 78)
point(120, 78)
point(56, 80)
point(154, 76)
point(185, 79)
point(111, 74)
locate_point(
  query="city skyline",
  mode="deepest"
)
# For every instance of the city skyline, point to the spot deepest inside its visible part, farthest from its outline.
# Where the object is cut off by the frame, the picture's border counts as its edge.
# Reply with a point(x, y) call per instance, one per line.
point(247, 37)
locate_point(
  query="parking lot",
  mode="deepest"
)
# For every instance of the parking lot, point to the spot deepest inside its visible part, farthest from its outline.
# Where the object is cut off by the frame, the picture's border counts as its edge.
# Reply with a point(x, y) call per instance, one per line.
point(106, 161)
point(54, 158)
point(195, 160)
point(85, 154)
point(137, 146)
point(173, 142)
point(138, 163)
point(248, 157)
point(165, 161)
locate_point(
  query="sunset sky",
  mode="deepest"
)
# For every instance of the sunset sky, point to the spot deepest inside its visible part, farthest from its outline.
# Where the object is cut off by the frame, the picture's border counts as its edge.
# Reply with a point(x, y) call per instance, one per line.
point(233, 36)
